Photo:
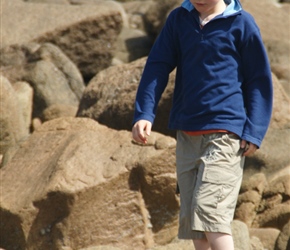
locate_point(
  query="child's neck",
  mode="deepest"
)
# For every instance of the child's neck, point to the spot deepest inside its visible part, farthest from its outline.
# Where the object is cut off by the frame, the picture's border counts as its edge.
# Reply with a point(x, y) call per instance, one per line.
point(217, 10)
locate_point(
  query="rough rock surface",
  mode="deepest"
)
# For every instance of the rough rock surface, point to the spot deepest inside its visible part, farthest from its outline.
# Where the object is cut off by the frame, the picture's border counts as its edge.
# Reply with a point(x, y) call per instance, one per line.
point(241, 235)
point(88, 184)
point(283, 241)
point(82, 32)
point(256, 244)
point(136, 11)
point(53, 76)
point(267, 236)
point(109, 97)
point(264, 202)
point(274, 22)
point(12, 121)
point(156, 15)
point(25, 94)
point(132, 44)
point(274, 210)
point(275, 17)
point(279, 56)
point(50, 86)
point(57, 111)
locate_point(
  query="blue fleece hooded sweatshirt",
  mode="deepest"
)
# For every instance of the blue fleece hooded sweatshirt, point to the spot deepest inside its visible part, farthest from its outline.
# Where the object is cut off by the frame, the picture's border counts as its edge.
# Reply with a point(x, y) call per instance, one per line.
point(223, 76)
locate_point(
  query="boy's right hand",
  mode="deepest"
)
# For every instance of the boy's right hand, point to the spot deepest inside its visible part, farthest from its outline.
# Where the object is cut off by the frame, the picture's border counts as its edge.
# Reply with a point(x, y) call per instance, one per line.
point(141, 130)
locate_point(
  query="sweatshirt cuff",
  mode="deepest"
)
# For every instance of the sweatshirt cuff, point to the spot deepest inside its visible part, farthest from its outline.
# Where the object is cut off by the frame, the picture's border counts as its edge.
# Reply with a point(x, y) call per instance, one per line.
point(143, 117)
point(251, 139)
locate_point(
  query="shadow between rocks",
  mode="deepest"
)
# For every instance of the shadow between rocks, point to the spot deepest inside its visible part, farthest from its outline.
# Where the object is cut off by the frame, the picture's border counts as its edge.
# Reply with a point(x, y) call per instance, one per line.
point(46, 232)
point(161, 202)
point(11, 233)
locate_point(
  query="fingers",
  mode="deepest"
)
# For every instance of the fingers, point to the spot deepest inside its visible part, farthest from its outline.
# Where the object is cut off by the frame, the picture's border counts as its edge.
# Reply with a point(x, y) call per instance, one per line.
point(141, 130)
point(249, 148)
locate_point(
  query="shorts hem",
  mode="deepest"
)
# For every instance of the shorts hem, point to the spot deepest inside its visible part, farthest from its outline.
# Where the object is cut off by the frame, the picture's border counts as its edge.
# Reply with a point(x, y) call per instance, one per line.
point(191, 237)
point(217, 229)
point(198, 233)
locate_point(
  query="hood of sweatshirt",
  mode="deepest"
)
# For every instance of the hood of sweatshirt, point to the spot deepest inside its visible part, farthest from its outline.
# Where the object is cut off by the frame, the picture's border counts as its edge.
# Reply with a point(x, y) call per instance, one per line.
point(233, 6)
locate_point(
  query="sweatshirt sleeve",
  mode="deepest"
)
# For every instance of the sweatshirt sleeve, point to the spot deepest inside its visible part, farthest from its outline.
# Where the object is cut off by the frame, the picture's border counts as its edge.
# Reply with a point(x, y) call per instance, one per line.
point(257, 89)
point(160, 62)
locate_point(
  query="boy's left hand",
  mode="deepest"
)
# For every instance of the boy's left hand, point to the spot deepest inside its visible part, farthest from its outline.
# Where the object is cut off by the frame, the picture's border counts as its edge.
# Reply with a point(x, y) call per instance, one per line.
point(249, 148)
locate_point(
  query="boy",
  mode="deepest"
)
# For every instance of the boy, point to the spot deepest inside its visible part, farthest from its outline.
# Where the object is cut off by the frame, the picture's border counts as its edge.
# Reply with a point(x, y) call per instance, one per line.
point(222, 105)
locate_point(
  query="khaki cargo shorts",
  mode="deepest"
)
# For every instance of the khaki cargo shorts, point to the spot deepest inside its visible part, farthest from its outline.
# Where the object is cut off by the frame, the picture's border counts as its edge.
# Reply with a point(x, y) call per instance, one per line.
point(209, 173)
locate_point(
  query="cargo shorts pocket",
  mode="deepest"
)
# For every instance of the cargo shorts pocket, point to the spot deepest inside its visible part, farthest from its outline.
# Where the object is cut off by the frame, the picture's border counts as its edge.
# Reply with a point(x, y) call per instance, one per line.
point(222, 160)
point(218, 175)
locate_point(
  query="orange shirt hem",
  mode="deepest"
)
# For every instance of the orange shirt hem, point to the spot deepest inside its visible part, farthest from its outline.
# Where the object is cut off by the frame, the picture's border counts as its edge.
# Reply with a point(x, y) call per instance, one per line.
point(204, 132)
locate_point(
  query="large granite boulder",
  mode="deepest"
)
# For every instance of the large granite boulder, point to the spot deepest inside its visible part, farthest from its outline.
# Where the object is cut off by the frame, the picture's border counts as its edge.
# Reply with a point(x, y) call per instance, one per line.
point(283, 241)
point(273, 21)
point(279, 56)
point(132, 44)
point(267, 236)
point(264, 203)
point(109, 98)
point(155, 17)
point(12, 117)
point(54, 77)
point(57, 111)
point(85, 33)
point(136, 11)
point(83, 184)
